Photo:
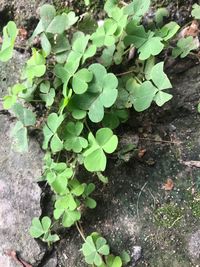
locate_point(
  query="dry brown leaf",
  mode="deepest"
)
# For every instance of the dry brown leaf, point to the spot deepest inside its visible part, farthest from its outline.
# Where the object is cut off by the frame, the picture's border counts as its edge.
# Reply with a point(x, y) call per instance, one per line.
point(13, 255)
point(23, 33)
point(169, 185)
point(192, 30)
point(141, 153)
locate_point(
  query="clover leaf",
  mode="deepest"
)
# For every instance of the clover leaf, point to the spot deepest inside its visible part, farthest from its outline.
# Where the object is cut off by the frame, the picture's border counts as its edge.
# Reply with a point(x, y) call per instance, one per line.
point(88, 201)
point(113, 118)
point(144, 94)
point(110, 5)
point(53, 24)
point(59, 180)
point(19, 133)
point(35, 66)
point(196, 11)
point(117, 14)
point(10, 32)
point(80, 48)
point(50, 132)
point(147, 44)
point(168, 30)
point(26, 116)
point(137, 8)
point(101, 93)
point(94, 157)
point(184, 47)
point(113, 261)
point(10, 100)
point(80, 81)
point(47, 94)
point(65, 207)
point(92, 250)
point(41, 228)
point(159, 78)
point(73, 140)
point(104, 35)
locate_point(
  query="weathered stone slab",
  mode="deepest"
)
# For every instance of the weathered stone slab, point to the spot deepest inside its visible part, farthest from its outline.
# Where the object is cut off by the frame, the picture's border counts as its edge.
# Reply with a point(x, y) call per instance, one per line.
point(19, 197)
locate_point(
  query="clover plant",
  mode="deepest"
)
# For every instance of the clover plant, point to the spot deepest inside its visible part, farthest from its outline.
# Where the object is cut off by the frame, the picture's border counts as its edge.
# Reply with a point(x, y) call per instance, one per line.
point(86, 83)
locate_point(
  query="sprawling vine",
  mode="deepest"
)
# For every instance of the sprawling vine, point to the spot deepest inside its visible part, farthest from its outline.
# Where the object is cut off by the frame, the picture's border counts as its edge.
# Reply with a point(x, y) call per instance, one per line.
point(86, 84)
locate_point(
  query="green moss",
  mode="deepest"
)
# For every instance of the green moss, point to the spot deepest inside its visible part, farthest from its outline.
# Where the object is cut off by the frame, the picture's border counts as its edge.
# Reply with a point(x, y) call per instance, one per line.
point(195, 206)
point(169, 215)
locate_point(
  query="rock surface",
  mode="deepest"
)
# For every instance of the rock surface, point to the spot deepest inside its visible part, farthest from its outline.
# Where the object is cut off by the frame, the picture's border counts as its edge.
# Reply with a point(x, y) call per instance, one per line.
point(194, 247)
point(10, 71)
point(19, 198)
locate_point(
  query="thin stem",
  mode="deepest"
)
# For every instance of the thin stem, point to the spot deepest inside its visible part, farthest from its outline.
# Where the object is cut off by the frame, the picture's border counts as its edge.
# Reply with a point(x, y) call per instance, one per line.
point(80, 230)
point(161, 141)
point(124, 73)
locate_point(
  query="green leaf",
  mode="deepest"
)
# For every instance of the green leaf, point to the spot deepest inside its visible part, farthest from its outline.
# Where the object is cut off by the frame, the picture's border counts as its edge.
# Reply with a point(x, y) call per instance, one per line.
point(113, 261)
point(49, 131)
point(113, 118)
point(196, 11)
point(46, 223)
point(26, 116)
point(160, 14)
point(144, 95)
point(94, 157)
point(70, 217)
point(35, 66)
point(104, 35)
point(46, 45)
point(19, 134)
point(159, 78)
point(10, 100)
point(147, 44)
point(161, 98)
point(10, 32)
point(47, 14)
point(107, 56)
point(80, 81)
point(101, 93)
point(72, 139)
point(80, 48)
point(47, 94)
point(168, 30)
point(125, 257)
point(110, 5)
point(36, 229)
point(198, 108)
point(93, 250)
point(184, 47)
point(58, 24)
point(137, 8)
point(77, 189)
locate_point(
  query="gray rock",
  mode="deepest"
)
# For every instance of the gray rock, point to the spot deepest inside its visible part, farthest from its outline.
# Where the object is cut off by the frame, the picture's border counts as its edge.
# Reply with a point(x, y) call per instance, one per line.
point(52, 262)
point(194, 247)
point(22, 12)
point(136, 254)
point(19, 198)
point(10, 71)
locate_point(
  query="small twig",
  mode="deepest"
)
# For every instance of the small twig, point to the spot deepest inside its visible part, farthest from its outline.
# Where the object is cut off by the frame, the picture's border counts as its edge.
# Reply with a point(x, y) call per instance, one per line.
point(161, 141)
point(179, 218)
point(123, 3)
point(13, 255)
point(139, 195)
